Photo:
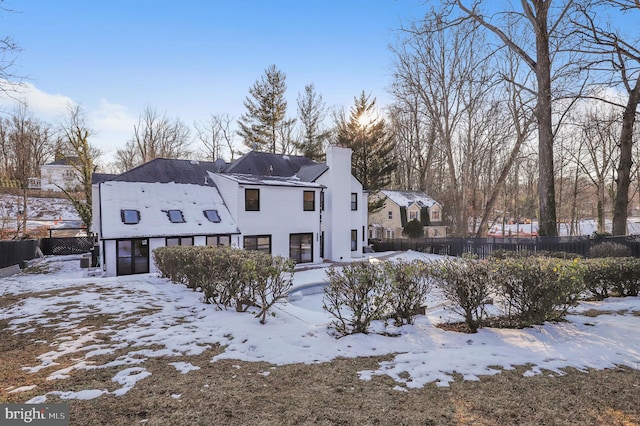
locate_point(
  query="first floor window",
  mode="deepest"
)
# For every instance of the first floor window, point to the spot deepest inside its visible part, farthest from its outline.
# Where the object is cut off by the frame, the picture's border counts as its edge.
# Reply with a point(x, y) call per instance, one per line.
point(301, 247)
point(354, 240)
point(179, 241)
point(133, 256)
point(258, 242)
point(218, 240)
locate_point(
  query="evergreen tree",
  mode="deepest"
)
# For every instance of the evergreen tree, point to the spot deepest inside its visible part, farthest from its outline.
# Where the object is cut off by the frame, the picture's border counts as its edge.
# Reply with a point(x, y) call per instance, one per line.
point(373, 161)
point(263, 125)
point(311, 113)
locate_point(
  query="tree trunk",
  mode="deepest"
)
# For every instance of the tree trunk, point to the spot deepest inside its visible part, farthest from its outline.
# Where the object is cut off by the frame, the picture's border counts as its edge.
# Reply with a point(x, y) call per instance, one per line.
point(546, 184)
point(623, 180)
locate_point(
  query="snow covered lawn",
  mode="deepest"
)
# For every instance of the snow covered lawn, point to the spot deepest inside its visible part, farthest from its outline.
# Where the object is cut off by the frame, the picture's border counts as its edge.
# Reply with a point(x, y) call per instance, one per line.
point(146, 317)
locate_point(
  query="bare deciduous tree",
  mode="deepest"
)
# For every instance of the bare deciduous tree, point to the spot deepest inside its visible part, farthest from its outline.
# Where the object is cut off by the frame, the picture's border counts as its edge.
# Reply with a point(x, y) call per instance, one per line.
point(216, 136)
point(544, 22)
point(154, 136)
point(83, 160)
point(618, 58)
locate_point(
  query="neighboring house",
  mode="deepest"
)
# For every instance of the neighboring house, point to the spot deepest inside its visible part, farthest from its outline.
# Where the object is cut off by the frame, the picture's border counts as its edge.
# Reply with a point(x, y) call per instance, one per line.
point(400, 207)
point(282, 204)
point(59, 174)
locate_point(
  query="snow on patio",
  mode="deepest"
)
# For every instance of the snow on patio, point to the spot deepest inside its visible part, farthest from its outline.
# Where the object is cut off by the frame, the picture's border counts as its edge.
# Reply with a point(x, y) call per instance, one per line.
point(146, 311)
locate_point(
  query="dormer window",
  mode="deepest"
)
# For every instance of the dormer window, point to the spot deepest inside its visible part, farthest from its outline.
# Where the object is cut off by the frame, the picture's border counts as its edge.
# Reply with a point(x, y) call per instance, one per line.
point(175, 216)
point(212, 215)
point(130, 217)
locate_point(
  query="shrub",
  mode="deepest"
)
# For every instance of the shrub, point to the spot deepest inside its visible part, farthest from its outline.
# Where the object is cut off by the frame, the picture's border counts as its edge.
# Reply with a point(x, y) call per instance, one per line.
point(612, 276)
point(466, 284)
point(273, 279)
point(537, 289)
point(229, 277)
point(413, 229)
point(609, 249)
point(356, 295)
point(409, 285)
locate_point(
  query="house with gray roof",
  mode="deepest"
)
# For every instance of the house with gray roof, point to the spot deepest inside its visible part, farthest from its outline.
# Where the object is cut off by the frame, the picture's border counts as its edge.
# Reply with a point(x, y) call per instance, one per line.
point(285, 205)
point(401, 207)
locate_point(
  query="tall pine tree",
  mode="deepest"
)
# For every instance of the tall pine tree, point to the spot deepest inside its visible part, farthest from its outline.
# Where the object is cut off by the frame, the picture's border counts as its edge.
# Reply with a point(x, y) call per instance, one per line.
point(311, 113)
point(373, 161)
point(264, 124)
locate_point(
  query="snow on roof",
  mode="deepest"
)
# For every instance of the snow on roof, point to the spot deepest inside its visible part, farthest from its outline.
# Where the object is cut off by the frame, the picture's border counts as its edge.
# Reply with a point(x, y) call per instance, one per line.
point(269, 180)
point(153, 200)
point(406, 198)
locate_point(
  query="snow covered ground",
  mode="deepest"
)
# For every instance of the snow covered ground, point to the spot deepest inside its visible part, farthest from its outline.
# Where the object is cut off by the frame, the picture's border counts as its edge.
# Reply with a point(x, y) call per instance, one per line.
point(173, 321)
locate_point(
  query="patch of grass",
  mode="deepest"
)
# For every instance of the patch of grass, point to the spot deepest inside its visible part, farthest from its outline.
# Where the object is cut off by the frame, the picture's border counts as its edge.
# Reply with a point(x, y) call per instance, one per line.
point(230, 392)
point(592, 313)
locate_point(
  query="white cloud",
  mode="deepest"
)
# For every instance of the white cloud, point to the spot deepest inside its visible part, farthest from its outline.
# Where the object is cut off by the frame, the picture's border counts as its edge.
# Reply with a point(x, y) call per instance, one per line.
point(112, 125)
point(43, 105)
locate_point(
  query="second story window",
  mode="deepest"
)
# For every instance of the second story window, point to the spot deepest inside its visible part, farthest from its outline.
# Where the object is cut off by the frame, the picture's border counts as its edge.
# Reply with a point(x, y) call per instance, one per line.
point(390, 214)
point(354, 201)
point(413, 215)
point(175, 216)
point(130, 217)
point(435, 215)
point(309, 201)
point(252, 200)
point(212, 215)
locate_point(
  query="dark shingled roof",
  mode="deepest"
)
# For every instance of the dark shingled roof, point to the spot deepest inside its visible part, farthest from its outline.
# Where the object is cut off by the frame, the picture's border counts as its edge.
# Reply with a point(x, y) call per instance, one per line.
point(261, 164)
point(101, 177)
point(66, 161)
point(267, 164)
point(312, 172)
point(163, 170)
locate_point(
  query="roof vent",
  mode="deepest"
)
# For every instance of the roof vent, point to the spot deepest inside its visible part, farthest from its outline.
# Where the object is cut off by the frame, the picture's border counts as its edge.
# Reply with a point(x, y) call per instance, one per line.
point(194, 162)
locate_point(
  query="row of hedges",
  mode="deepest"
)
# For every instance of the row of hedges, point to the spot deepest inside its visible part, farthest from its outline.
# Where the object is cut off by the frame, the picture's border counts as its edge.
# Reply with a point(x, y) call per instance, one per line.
point(525, 291)
point(229, 277)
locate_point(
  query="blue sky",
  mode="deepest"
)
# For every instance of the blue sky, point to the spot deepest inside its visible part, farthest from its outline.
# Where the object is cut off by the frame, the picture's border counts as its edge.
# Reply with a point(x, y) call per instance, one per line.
point(193, 58)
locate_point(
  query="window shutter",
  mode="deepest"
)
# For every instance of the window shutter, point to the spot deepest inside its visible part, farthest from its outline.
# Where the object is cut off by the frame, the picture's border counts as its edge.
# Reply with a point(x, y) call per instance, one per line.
point(403, 216)
point(424, 216)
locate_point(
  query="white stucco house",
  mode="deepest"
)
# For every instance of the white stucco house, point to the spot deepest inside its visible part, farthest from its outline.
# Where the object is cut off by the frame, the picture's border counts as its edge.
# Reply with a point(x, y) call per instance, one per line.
point(283, 204)
point(59, 174)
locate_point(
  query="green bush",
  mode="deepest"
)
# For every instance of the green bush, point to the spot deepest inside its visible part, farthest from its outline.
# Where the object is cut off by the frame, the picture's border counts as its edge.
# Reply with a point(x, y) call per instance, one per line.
point(466, 284)
point(612, 276)
point(409, 284)
point(609, 249)
point(229, 277)
point(413, 229)
point(356, 295)
point(538, 289)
